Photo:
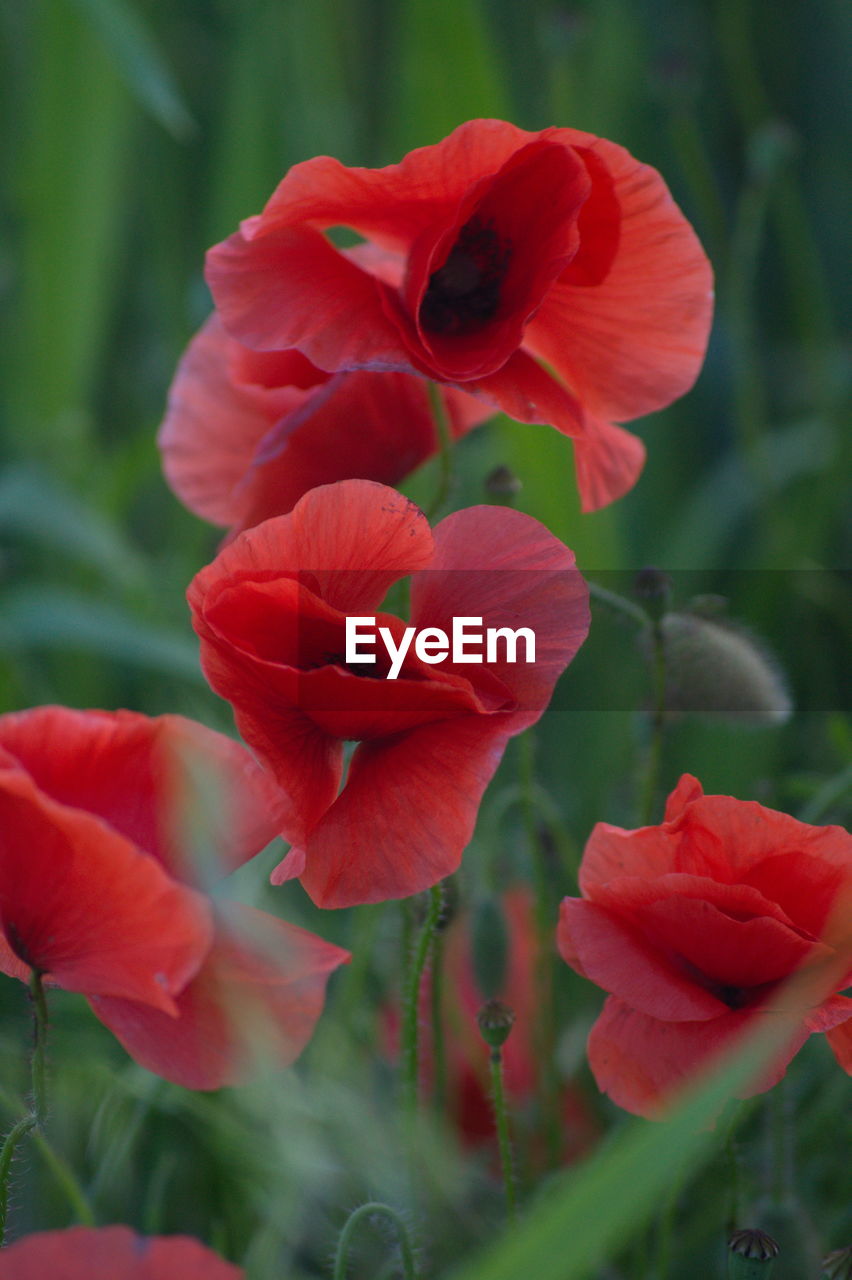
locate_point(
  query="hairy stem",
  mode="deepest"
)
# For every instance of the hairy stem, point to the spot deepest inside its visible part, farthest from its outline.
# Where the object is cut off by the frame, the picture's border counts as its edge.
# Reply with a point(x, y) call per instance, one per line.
point(365, 1212)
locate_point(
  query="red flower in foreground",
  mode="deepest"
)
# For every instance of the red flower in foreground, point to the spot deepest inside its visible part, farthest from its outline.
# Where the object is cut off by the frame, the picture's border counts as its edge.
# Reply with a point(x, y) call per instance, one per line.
point(248, 433)
point(111, 1253)
point(271, 613)
point(694, 927)
point(99, 889)
point(549, 273)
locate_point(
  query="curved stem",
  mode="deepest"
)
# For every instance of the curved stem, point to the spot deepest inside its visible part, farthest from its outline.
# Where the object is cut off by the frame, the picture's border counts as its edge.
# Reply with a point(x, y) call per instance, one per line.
point(371, 1210)
point(411, 1000)
point(504, 1140)
point(7, 1152)
point(619, 604)
point(445, 442)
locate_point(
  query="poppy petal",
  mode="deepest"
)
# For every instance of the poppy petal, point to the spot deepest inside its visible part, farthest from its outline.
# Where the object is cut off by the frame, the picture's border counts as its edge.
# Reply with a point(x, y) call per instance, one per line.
point(257, 997)
point(376, 426)
point(395, 204)
point(641, 1062)
point(405, 815)
point(173, 787)
point(840, 1039)
point(111, 1253)
point(618, 958)
point(355, 539)
point(213, 426)
point(636, 340)
point(506, 568)
point(292, 288)
point(81, 904)
point(608, 459)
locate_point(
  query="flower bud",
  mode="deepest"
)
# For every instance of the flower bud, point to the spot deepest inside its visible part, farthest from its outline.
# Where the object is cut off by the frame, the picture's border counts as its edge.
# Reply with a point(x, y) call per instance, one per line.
point(654, 587)
point(751, 1255)
point(838, 1264)
point(502, 483)
point(495, 1022)
point(715, 667)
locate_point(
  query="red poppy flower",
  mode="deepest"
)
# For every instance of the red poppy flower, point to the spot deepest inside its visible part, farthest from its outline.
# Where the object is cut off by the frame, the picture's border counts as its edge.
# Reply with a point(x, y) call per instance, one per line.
point(99, 887)
point(549, 273)
point(694, 926)
point(271, 613)
point(247, 433)
point(111, 1253)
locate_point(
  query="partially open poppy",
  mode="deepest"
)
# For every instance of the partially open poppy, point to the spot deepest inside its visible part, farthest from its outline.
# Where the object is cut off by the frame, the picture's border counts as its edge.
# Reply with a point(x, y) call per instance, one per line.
point(113, 825)
point(271, 612)
point(549, 273)
point(694, 926)
point(111, 1253)
point(247, 433)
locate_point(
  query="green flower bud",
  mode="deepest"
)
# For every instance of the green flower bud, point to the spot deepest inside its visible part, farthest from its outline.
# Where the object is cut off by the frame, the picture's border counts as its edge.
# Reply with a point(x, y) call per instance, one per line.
point(751, 1255)
point(838, 1265)
point(495, 1022)
point(715, 667)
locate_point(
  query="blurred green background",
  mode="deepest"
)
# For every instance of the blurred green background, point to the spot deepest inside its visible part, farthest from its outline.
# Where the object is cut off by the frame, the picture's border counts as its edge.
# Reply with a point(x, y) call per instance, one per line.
point(138, 133)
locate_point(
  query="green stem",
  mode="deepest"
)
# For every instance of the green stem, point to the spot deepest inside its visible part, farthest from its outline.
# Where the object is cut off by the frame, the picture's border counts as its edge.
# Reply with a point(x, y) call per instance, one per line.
point(39, 1067)
point(501, 1118)
point(620, 604)
point(7, 1152)
point(658, 724)
point(38, 1109)
point(411, 1000)
point(445, 441)
point(437, 1002)
point(371, 1210)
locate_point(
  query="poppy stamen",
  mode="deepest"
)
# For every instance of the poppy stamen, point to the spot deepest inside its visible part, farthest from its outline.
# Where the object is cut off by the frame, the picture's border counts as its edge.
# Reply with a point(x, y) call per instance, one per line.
point(464, 293)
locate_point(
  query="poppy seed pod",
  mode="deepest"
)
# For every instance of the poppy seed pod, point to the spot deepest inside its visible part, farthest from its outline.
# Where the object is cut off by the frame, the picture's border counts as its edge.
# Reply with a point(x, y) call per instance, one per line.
point(717, 668)
point(751, 1254)
point(837, 1265)
point(495, 1021)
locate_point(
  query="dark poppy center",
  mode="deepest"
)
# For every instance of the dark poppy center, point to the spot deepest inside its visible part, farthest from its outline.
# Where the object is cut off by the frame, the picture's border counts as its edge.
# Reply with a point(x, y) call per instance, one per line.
point(464, 294)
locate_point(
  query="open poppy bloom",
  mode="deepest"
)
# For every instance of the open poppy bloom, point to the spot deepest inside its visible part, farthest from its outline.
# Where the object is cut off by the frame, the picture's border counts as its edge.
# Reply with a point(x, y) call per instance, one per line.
point(695, 926)
point(271, 612)
point(100, 890)
point(111, 1253)
point(247, 433)
point(549, 273)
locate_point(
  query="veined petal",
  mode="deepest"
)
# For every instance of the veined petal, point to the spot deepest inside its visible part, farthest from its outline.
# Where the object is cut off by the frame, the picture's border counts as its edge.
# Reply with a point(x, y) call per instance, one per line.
point(257, 997)
point(636, 340)
point(506, 568)
point(166, 783)
point(292, 288)
point(351, 541)
point(405, 815)
point(642, 1062)
point(85, 907)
